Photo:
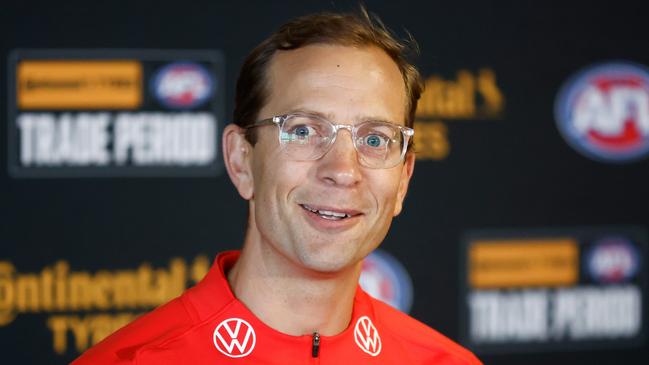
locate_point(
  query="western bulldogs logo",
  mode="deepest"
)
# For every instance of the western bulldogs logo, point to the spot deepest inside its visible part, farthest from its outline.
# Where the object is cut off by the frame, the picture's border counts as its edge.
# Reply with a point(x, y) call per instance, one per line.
point(384, 278)
point(234, 337)
point(603, 112)
point(182, 85)
point(367, 337)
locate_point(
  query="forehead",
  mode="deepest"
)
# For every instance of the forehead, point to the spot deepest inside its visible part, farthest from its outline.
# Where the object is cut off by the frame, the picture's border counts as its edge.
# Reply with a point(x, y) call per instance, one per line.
point(343, 81)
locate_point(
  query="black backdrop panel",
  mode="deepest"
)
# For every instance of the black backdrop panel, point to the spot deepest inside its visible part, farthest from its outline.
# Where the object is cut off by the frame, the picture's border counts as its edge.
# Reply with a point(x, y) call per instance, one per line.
point(80, 256)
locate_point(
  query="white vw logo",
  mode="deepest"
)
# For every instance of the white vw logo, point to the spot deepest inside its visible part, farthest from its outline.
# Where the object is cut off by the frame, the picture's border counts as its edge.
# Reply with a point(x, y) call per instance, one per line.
point(367, 337)
point(234, 337)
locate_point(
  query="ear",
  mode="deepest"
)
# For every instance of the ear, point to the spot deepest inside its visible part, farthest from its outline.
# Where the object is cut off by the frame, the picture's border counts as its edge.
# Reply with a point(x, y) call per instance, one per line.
point(406, 173)
point(236, 155)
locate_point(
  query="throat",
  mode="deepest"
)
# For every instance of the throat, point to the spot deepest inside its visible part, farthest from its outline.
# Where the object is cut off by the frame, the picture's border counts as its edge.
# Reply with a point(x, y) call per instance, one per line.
point(303, 315)
point(289, 300)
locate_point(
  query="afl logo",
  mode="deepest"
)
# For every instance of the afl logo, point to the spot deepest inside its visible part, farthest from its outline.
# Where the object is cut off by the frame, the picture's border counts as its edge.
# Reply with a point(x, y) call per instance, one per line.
point(603, 112)
point(182, 85)
point(384, 278)
point(612, 260)
point(234, 337)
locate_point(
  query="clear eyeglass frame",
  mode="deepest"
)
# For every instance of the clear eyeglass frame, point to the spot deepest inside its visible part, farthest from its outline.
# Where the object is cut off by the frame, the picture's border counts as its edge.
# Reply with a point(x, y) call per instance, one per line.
point(279, 120)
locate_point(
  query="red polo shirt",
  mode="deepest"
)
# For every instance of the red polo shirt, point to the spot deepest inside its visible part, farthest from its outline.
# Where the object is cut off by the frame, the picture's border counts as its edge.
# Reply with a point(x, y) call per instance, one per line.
point(208, 325)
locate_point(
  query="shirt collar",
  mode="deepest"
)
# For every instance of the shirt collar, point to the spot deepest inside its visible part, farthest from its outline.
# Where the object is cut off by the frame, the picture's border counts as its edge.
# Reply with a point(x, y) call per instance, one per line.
point(213, 294)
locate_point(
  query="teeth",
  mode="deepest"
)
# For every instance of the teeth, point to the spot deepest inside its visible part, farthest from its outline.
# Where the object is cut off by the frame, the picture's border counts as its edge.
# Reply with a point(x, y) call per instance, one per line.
point(327, 214)
point(335, 214)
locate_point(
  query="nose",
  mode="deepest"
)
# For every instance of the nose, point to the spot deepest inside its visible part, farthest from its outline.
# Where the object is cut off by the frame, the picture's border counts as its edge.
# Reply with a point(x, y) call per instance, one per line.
point(339, 166)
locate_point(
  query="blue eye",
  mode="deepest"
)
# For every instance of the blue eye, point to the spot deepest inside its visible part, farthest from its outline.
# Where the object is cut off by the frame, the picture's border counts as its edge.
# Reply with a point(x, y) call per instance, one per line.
point(373, 140)
point(301, 131)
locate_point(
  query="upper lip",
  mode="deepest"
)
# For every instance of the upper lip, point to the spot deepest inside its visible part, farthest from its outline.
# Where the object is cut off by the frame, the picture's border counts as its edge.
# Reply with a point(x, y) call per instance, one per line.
point(349, 212)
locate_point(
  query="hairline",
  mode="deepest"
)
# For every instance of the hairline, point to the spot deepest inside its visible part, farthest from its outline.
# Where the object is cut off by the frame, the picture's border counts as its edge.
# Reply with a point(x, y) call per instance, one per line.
point(267, 85)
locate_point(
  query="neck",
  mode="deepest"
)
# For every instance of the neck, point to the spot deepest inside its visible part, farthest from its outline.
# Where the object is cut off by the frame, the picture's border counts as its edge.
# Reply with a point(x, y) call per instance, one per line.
point(289, 299)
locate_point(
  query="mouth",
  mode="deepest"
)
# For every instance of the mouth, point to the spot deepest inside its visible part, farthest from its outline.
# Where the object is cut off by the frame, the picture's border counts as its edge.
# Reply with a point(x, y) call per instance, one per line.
point(330, 213)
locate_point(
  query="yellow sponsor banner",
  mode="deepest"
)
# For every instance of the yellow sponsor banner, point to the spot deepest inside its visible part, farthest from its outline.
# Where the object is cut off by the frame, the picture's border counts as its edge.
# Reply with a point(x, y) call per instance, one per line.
point(91, 305)
point(523, 263)
point(57, 85)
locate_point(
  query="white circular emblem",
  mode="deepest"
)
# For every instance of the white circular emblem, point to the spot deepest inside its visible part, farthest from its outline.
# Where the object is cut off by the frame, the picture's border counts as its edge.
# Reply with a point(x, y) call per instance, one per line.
point(234, 337)
point(367, 337)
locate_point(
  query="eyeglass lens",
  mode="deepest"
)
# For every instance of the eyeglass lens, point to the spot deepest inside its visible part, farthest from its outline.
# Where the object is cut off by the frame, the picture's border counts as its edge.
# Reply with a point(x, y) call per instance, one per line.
point(308, 138)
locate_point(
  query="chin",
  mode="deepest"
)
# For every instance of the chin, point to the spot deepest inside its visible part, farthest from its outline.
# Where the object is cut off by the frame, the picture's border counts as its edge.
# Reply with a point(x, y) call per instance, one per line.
point(328, 261)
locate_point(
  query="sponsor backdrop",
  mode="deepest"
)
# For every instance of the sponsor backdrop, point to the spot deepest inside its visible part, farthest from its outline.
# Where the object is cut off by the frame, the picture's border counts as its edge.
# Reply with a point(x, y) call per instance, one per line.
point(524, 235)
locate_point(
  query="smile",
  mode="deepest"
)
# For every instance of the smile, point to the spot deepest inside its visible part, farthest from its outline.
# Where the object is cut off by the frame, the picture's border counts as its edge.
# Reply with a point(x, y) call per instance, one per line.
point(328, 213)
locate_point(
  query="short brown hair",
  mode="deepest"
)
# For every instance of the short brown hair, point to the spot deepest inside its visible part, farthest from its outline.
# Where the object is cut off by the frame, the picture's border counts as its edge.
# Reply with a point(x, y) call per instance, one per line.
point(350, 29)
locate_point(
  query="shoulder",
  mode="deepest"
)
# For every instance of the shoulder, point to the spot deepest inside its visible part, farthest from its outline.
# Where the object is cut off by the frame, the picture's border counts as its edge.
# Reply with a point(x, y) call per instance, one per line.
point(163, 323)
point(419, 340)
point(168, 322)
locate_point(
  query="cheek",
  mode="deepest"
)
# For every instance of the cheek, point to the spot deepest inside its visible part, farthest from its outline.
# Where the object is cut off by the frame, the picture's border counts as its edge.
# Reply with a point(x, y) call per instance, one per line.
point(275, 178)
point(263, 172)
point(385, 188)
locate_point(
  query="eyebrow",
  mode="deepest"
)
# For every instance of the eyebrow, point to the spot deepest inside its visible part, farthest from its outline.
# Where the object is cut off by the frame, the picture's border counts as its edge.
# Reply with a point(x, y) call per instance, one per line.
point(330, 116)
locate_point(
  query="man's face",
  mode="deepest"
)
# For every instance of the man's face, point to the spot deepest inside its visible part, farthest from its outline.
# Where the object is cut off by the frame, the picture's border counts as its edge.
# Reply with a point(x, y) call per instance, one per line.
point(347, 85)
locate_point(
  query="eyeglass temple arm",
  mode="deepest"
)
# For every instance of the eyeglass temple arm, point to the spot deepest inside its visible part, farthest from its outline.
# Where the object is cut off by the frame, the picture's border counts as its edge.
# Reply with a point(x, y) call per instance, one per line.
point(267, 121)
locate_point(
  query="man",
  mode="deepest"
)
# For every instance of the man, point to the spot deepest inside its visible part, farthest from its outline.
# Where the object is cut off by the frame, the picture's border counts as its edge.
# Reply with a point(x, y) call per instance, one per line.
point(320, 149)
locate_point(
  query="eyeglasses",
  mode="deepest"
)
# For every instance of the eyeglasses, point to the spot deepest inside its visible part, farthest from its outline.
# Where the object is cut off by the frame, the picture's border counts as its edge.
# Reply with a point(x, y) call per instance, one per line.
point(306, 137)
